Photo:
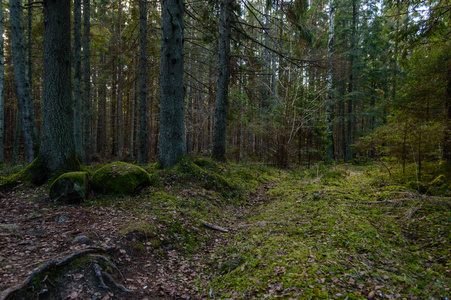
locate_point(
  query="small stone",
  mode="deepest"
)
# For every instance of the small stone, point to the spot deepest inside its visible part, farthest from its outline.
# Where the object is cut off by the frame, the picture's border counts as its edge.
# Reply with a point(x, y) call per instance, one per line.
point(371, 295)
point(9, 227)
point(81, 239)
point(62, 218)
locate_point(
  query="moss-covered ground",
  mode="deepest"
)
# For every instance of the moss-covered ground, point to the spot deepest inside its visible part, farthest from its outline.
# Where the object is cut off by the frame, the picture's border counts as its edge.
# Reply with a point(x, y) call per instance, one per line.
point(338, 233)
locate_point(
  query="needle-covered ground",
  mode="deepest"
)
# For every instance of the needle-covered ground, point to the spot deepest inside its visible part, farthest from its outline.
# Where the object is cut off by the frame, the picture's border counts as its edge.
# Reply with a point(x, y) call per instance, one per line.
point(328, 232)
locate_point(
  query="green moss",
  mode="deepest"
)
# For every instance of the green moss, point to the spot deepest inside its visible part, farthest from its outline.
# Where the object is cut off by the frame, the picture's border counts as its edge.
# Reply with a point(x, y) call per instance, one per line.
point(145, 229)
point(120, 178)
point(314, 241)
point(189, 173)
point(71, 187)
point(77, 177)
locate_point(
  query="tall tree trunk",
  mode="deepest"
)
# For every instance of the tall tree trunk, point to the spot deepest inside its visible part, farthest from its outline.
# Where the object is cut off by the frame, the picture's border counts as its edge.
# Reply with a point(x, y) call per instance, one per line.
point(143, 148)
point(447, 138)
point(16, 142)
point(2, 86)
point(132, 113)
point(119, 86)
point(94, 110)
point(86, 82)
point(77, 79)
point(330, 104)
point(172, 127)
point(113, 110)
point(222, 92)
point(101, 139)
point(351, 85)
point(57, 148)
point(23, 91)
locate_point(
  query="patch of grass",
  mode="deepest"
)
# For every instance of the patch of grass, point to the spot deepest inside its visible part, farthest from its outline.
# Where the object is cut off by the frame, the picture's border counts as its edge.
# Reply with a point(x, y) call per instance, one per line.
point(334, 233)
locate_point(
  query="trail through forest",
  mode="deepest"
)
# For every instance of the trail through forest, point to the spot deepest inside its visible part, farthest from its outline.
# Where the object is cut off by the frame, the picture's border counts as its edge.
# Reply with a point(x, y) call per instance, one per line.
point(322, 233)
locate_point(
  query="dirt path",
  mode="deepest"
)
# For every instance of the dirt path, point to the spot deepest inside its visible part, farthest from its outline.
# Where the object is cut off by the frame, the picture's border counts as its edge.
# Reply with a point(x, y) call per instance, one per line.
point(34, 231)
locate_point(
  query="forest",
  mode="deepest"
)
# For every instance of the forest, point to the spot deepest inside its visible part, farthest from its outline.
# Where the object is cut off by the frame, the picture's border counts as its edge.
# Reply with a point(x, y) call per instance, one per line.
point(225, 149)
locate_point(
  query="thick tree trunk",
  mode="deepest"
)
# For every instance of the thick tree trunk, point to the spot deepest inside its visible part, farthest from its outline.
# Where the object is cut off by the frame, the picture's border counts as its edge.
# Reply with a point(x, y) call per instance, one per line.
point(86, 82)
point(222, 92)
point(330, 104)
point(143, 148)
point(57, 148)
point(2, 86)
point(23, 91)
point(172, 127)
point(77, 79)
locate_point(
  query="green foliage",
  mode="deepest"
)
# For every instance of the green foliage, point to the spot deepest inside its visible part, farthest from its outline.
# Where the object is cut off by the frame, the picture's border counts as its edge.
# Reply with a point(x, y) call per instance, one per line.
point(120, 178)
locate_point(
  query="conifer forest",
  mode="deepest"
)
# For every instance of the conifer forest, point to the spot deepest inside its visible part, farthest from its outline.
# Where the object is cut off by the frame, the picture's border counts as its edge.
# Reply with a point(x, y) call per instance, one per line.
point(225, 149)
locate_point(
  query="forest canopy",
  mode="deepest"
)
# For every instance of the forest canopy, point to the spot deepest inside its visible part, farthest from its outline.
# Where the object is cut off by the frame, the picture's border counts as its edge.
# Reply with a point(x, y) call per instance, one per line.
point(342, 81)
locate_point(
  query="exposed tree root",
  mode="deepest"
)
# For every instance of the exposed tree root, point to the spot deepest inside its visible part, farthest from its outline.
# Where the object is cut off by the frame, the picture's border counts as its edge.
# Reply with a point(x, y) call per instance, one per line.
point(47, 266)
point(111, 280)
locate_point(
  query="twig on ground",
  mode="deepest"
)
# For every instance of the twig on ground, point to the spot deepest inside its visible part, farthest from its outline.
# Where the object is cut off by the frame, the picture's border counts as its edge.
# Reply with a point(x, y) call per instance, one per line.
point(212, 226)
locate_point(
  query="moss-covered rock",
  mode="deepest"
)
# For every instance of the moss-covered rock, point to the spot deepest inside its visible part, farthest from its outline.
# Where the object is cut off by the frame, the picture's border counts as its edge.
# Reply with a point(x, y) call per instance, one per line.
point(70, 188)
point(120, 178)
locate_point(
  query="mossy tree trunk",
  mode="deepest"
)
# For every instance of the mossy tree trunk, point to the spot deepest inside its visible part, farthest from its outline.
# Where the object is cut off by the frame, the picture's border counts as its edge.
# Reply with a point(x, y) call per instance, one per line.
point(57, 149)
point(222, 92)
point(23, 91)
point(172, 125)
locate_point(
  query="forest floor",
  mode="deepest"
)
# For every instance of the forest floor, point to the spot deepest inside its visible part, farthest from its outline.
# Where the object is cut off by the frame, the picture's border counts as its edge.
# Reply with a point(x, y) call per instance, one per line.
point(342, 232)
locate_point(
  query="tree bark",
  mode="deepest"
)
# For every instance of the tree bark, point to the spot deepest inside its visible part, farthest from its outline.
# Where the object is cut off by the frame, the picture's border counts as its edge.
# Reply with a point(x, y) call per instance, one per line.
point(23, 91)
point(172, 127)
point(57, 148)
point(2, 86)
point(143, 148)
point(351, 87)
point(330, 104)
point(77, 79)
point(86, 82)
point(222, 92)
point(447, 139)
point(101, 133)
point(119, 86)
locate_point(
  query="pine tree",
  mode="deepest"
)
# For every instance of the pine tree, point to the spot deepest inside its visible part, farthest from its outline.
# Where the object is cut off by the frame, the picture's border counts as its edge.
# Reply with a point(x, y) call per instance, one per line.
point(143, 148)
point(77, 80)
point(23, 91)
point(222, 92)
point(172, 126)
point(57, 149)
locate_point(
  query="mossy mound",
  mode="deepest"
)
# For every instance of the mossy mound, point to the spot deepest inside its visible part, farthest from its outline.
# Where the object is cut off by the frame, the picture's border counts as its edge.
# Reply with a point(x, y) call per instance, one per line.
point(119, 178)
point(189, 172)
point(70, 188)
